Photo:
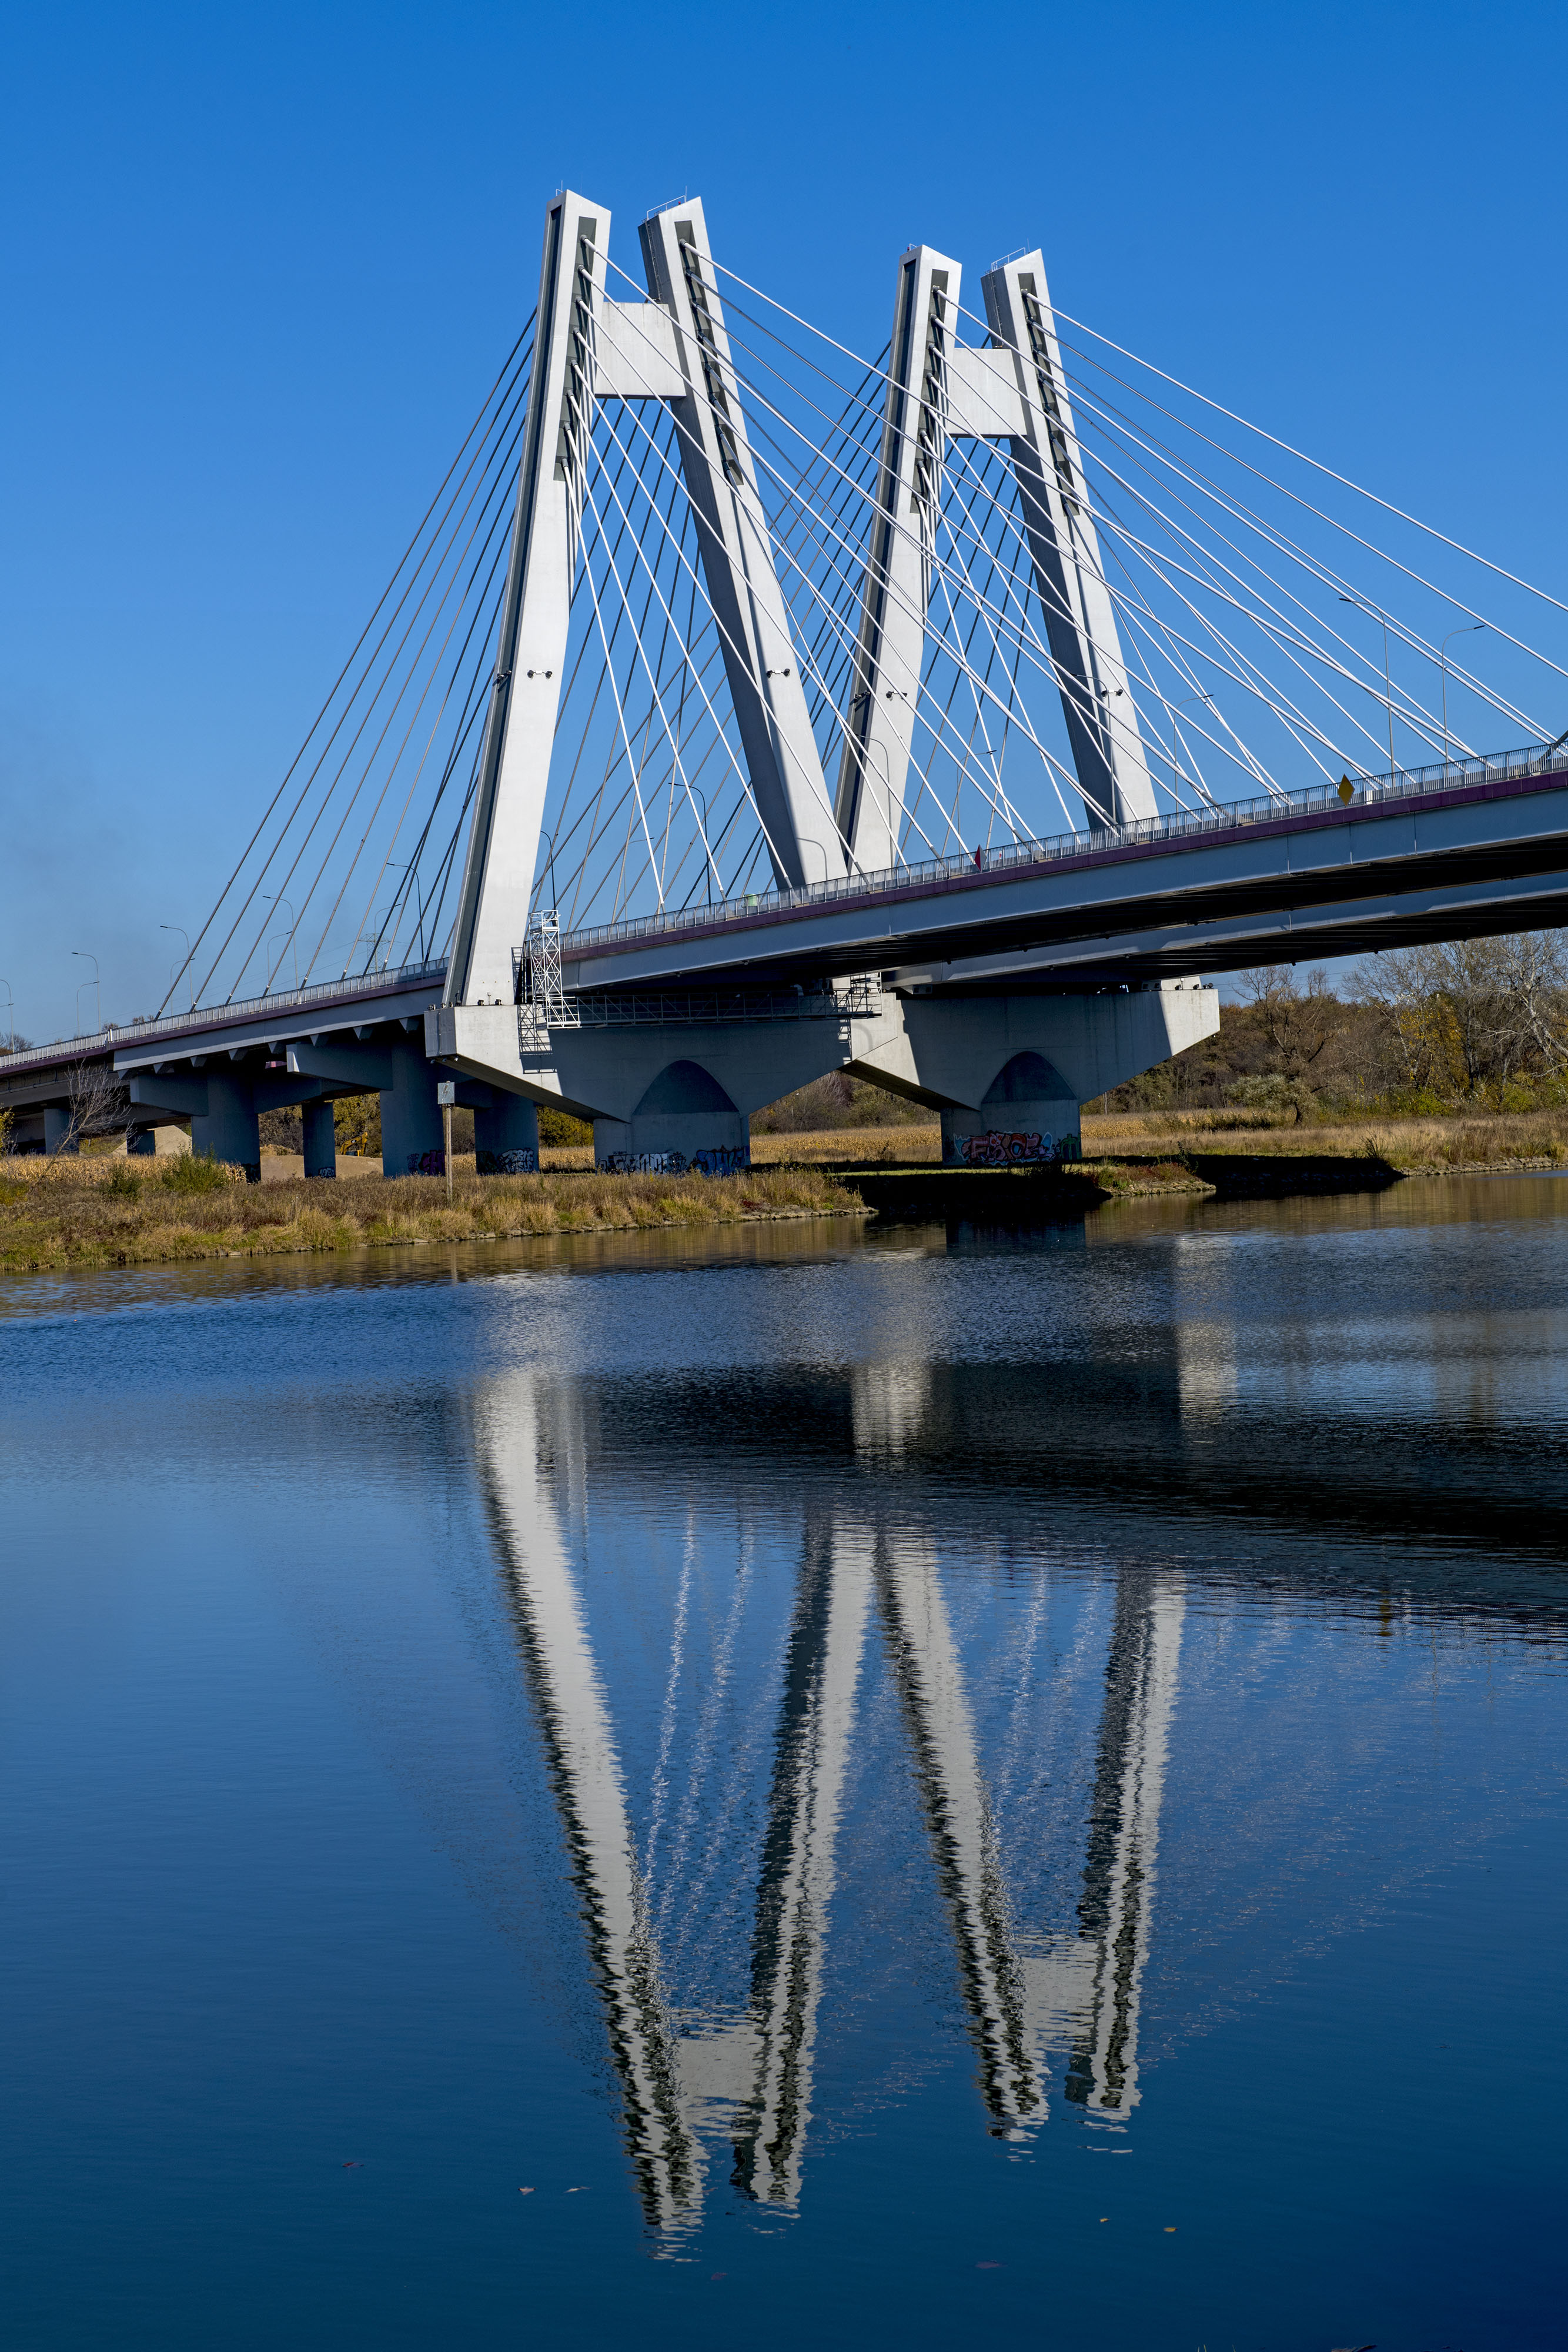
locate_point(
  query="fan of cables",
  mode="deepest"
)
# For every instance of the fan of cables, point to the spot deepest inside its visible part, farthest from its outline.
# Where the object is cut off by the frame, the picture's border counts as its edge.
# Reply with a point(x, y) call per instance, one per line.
point(1253, 592)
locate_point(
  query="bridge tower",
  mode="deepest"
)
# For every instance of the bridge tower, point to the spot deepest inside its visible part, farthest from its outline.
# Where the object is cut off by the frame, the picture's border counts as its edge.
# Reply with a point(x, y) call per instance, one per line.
point(666, 1096)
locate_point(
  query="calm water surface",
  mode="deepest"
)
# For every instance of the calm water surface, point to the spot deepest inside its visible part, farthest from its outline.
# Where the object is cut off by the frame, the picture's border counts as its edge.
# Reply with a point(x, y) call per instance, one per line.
point(896, 1785)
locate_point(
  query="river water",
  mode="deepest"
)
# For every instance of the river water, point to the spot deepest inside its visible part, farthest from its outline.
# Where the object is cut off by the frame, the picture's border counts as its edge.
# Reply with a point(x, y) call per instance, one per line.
point(796, 1784)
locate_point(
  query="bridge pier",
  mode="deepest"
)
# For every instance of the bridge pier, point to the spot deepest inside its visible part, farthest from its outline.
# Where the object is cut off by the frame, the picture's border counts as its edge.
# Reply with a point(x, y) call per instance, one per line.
point(413, 1136)
point(143, 1140)
point(673, 1095)
point(1028, 1112)
point(684, 1121)
point(58, 1136)
point(506, 1133)
point(1010, 1073)
point(227, 1127)
point(320, 1138)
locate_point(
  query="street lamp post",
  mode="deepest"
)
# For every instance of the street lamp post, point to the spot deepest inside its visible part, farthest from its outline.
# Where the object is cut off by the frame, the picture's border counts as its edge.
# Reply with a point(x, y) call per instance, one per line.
point(1466, 629)
point(185, 935)
point(87, 956)
point(1387, 681)
point(10, 1017)
point(1176, 728)
point(697, 794)
point(293, 931)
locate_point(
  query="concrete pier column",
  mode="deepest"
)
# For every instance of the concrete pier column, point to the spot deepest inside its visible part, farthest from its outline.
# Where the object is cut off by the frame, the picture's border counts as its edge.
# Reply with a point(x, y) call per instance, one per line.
point(507, 1136)
point(142, 1142)
point(229, 1130)
point(413, 1142)
point(1010, 1074)
point(685, 1122)
point(1028, 1113)
point(321, 1138)
point(57, 1136)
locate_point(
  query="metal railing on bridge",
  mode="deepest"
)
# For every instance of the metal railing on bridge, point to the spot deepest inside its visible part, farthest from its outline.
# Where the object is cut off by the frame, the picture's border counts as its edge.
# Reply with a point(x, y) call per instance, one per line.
point(1366, 791)
point(116, 1036)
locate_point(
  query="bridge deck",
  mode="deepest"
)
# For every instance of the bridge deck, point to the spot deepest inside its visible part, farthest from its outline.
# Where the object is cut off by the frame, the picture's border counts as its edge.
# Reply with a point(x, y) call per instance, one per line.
point(1263, 881)
point(1441, 854)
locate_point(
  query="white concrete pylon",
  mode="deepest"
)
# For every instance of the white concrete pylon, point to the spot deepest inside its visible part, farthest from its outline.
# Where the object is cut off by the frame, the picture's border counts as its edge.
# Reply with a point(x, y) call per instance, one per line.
point(1064, 548)
point(737, 557)
point(874, 766)
point(525, 696)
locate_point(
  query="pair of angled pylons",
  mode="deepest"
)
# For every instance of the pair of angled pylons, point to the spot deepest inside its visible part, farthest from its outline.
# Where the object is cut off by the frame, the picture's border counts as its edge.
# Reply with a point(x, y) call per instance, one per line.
point(674, 347)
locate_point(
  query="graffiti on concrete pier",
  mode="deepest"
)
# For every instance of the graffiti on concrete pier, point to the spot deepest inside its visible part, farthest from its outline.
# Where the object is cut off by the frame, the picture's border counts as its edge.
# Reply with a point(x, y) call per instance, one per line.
point(723, 1159)
point(1016, 1147)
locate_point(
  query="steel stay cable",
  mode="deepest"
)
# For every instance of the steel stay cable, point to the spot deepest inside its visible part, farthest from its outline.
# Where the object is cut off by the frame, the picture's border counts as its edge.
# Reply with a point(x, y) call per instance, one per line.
point(614, 688)
point(1370, 545)
point(491, 537)
point(619, 476)
point(1314, 565)
point(491, 494)
point(768, 551)
point(348, 665)
point(593, 705)
point(1225, 596)
point(739, 651)
point(742, 777)
point(1284, 703)
point(653, 688)
point(1343, 479)
point(481, 608)
point(481, 459)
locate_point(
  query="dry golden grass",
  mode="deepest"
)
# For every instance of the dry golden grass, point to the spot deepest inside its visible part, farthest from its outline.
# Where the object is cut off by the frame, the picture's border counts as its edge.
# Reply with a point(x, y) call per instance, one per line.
point(852, 1146)
point(1511, 1139)
point(70, 1214)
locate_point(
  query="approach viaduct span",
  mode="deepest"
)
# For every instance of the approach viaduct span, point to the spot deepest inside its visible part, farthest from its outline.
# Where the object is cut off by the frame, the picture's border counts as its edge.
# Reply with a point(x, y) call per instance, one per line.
point(828, 611)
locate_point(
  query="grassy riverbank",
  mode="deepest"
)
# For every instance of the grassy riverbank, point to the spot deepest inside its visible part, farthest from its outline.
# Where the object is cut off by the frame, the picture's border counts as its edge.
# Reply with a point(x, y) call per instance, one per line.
point(1453, 1143)
point(87, 1212)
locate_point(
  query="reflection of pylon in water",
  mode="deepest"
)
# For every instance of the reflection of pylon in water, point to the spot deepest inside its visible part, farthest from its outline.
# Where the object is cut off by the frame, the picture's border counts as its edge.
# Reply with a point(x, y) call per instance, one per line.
point(822, 1669)
point(1123, 1839)
point(585, 1772)
point(956, 1806)
point(749, 2076)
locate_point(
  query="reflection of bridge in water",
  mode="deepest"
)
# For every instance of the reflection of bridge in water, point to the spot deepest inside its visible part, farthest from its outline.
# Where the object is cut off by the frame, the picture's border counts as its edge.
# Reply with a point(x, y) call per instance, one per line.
point(742, 2075)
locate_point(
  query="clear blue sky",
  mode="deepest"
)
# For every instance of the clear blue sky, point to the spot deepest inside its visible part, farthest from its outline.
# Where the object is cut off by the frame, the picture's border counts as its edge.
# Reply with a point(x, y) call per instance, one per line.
point(259, 264)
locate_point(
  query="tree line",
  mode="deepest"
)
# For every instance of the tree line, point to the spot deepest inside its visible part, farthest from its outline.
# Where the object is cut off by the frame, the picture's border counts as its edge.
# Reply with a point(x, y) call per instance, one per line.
point(1467, 1025)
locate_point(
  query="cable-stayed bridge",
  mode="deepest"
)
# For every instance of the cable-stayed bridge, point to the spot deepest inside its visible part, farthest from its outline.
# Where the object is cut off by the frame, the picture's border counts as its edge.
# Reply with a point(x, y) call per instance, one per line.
point(746, 708)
